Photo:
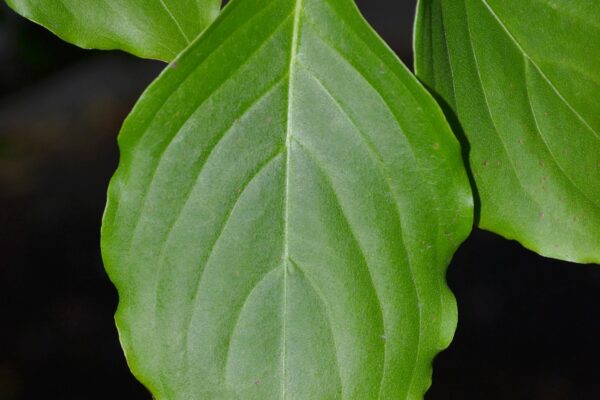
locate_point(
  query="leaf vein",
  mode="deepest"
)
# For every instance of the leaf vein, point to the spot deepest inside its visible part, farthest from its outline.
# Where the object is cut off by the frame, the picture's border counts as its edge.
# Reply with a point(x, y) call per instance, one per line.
point(175, 21)
point(328, 313)
point(351, 231)
point(294, 47)
point(542, 136)
point(177, 131)
point(381, 166)
point(544, 76)
point(201, 167)
point(198, 283)
point(489, 112)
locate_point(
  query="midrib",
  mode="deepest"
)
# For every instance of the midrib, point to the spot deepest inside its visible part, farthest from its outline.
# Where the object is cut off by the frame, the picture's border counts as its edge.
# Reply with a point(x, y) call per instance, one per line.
point(289, 130)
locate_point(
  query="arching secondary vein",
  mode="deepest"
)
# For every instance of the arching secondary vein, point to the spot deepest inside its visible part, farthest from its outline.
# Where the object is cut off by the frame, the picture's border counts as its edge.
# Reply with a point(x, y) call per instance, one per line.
point(175, 21)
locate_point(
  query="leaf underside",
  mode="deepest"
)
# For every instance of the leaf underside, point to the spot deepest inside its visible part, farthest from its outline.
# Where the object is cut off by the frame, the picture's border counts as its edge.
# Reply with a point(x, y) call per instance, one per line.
point(523, 79)
point(287, 202)
point(157, 29)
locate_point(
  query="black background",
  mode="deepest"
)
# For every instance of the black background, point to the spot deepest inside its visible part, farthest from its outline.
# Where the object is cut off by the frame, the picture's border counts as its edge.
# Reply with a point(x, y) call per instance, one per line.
point(529, 327)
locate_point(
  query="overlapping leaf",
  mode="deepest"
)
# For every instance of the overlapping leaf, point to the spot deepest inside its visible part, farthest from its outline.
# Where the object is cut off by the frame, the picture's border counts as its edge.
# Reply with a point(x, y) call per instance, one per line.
point(523, 79)
point(157, 29)
point(287, 202)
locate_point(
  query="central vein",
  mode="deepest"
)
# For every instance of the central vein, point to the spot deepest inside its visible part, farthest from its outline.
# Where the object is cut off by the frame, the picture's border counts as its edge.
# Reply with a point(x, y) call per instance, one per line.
point(288, 144)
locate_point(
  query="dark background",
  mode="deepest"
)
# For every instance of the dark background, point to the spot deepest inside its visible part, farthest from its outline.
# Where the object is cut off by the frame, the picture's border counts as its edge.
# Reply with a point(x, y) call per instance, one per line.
point(529, 326)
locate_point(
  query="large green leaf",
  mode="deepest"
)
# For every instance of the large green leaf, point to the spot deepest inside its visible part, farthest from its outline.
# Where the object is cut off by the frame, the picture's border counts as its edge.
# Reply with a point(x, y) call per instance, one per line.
point(287, 202)
point(157, 29)
point(523, 79)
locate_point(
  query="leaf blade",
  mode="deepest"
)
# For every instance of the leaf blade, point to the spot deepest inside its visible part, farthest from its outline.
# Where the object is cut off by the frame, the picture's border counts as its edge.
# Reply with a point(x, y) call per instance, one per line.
point(262, 222)
point(157, 29)
point(524, 95)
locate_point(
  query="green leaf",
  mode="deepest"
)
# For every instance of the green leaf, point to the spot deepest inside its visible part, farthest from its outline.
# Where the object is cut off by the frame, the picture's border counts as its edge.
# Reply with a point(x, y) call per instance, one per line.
point(287, 202)
point(157, 29)
point(523, 80)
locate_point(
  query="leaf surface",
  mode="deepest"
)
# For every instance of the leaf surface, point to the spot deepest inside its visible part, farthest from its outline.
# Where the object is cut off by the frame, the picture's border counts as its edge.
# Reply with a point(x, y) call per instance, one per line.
point(157, 29)
point(523, 79)
point(288, 200)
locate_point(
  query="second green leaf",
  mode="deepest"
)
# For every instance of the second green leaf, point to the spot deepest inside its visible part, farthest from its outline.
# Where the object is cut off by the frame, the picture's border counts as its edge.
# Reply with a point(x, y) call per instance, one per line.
point(521, 78)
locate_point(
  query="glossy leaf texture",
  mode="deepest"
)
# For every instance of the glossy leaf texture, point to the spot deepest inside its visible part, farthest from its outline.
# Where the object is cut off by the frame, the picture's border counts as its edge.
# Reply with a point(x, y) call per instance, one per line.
point(157, 29)
point(523, 80)
point(288, 200)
